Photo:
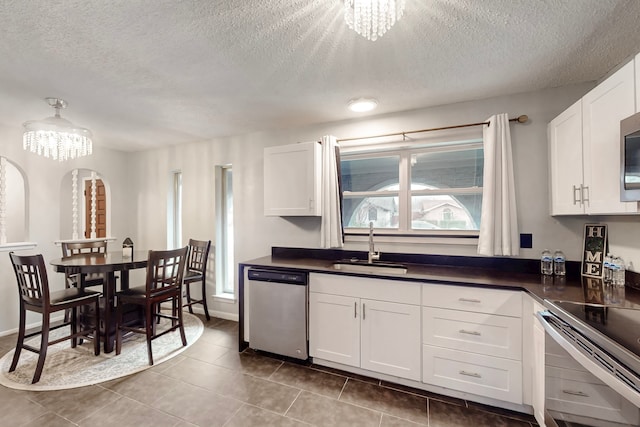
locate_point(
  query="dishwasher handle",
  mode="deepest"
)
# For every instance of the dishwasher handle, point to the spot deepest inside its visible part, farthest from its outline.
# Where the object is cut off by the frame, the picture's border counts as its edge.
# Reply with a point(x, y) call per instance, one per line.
point(278, 276)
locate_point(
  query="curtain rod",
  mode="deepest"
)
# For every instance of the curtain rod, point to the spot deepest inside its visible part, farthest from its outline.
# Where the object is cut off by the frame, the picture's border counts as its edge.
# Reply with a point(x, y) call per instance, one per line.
point(520, 119)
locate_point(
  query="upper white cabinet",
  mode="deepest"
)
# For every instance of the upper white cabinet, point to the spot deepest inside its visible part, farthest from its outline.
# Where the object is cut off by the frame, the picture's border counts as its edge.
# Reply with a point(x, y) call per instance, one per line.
point(565, 162)
point(584, 149)
point(293, 179)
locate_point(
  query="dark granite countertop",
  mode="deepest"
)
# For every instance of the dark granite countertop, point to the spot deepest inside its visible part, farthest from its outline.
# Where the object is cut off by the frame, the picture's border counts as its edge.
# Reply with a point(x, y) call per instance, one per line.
point(573, 287)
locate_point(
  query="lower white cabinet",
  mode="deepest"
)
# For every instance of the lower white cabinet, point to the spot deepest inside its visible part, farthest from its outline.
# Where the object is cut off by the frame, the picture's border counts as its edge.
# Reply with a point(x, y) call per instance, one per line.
point(472, 340)
point(369, 333)
point(473, 373)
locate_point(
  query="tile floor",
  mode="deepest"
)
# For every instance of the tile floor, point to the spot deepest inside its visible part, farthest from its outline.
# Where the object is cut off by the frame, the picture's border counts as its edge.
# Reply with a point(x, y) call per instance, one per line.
point(211, 384)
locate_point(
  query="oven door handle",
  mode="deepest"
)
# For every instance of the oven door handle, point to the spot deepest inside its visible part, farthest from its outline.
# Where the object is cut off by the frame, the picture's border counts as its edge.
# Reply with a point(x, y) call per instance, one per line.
point(588, 363)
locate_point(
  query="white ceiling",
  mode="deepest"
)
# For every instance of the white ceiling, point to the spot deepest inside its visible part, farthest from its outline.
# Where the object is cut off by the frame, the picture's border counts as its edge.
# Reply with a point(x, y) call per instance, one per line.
point(146, 73)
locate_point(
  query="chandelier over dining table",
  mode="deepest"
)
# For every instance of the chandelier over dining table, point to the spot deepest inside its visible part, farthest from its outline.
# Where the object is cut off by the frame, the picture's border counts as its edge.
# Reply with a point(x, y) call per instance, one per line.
point(56, 137)
point(372, 18)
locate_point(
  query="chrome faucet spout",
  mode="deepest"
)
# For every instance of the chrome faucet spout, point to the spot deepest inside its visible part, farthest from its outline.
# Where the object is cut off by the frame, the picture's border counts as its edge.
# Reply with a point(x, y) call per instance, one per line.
point(373, 255)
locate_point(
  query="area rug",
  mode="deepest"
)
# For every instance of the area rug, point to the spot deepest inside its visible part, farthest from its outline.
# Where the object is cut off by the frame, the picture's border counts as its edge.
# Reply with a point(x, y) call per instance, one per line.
point(67, 367)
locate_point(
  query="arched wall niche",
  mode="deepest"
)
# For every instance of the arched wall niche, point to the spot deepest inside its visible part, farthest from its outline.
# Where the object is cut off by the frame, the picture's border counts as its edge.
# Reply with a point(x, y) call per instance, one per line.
point(14, 205)
point(85, 211)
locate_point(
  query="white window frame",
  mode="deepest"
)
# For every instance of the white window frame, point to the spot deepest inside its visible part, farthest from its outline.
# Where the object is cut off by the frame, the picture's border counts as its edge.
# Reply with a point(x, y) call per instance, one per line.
point(225, 264)
point(404, 194)
point(174, 211)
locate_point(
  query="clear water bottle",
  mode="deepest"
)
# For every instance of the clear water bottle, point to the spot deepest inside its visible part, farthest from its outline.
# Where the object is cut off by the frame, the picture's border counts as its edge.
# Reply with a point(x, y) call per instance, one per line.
point(546, 263)
point(619, 271)
point(606, 276)
point(559, 265)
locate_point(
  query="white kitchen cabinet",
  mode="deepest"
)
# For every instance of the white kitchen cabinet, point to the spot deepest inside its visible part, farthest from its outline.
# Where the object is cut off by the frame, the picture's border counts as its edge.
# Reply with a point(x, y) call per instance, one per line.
point(472, 340)
point(584, 149)
point(565, 162)
point(372, 324)
point(602, 109)
point(334, 328)
point(293, 179)
point(390, 338)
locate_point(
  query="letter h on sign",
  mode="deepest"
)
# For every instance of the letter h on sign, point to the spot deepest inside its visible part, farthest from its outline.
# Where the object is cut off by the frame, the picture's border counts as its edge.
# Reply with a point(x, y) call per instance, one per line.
point(594, 247)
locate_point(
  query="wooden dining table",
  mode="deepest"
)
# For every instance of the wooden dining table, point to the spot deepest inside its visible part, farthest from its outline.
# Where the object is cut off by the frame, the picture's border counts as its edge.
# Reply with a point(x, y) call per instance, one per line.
point(108, 264)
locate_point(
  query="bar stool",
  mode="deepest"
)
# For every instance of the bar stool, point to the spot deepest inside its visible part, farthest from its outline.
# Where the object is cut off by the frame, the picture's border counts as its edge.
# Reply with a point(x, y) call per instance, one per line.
point(197, 272)
point(33, 288)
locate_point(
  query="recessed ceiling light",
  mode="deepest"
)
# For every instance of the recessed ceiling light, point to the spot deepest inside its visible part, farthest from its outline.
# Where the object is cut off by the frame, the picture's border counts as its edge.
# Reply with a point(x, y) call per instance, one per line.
point(361, 105)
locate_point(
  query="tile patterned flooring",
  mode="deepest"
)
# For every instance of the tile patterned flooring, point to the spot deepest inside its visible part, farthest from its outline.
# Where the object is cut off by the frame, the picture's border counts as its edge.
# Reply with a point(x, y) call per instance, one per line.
point(211, 384)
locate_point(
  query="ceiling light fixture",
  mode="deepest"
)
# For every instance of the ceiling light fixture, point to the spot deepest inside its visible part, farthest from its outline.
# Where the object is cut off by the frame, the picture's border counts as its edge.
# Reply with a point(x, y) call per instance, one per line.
point(372, 18)
point(362, 105)
point(56, 137)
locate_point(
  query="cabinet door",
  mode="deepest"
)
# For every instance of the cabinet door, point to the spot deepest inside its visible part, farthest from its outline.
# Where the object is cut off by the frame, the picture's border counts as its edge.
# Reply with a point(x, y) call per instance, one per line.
point(391, 338)
point(602, 109)
point(292, 179)
point(565, 162)
point(334, 328)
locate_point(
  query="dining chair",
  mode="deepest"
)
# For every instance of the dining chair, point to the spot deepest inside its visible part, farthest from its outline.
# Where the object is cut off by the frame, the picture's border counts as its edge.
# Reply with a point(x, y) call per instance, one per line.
point(35, 295)
point(165, 273)
point(70, 249)
point(74, 279)
point(197, 272)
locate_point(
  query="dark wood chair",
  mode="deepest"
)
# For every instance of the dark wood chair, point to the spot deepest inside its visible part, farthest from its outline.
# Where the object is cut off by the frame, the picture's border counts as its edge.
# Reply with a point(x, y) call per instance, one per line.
point(197, 272)
point(33, 289)
point(165, 272)
point(70, 249)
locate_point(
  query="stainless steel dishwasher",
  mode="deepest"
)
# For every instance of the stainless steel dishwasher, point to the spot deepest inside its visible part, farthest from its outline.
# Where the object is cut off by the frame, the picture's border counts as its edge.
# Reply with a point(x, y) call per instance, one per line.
point(278, 312)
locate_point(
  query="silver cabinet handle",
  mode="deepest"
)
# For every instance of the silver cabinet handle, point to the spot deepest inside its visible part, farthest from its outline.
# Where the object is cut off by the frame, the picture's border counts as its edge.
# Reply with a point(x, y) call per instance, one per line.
point(470, 374)
point(476, 333)
point(363, 312)
point(575, 393)
point(355, 310)
point(584, 190)
point(310, 204)
point(577, 191)
point(469, 300)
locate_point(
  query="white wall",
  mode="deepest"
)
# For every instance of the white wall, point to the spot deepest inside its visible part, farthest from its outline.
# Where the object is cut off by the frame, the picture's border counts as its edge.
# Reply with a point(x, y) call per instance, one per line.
point(140, 181)
point(255, 234)
point(44, 177)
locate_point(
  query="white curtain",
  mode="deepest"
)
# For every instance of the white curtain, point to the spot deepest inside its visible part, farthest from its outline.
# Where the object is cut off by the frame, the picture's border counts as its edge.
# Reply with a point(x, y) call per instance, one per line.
point(499, 222)
point(331, 226)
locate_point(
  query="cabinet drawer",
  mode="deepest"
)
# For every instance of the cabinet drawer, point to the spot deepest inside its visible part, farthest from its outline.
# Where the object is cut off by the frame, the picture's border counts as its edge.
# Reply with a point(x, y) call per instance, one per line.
point(481, 333)
point(582, 394)
point(468, 298)
point(366, 287)
point(473, 373)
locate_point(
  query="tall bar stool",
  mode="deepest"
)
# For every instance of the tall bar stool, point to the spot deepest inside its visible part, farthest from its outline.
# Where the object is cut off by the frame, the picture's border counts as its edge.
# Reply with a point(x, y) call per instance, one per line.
point(197, 272)
point(33, 289)
point(165, 272)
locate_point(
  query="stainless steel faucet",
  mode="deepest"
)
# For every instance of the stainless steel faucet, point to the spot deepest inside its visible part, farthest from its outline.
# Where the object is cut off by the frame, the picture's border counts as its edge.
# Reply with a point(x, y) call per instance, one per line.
point(373, 255)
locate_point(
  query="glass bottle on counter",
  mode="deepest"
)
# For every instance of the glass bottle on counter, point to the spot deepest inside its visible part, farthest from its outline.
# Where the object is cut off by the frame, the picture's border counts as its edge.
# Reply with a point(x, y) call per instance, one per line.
point(546, 263)
point(606, 276)
point(619, 271)
point(559, 265)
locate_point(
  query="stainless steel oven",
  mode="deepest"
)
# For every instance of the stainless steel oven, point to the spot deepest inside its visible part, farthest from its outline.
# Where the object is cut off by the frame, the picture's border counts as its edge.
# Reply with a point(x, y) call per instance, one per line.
point(592, 364)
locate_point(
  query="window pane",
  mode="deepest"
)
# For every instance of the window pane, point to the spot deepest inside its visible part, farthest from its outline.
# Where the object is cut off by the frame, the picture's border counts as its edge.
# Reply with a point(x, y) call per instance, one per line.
point(369, 174)
point(442, 212)
point(449, 169)
point(359, 211)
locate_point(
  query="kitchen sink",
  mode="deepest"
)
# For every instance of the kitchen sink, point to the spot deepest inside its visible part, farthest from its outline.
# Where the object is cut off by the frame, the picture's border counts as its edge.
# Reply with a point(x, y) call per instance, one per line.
point(376, 267)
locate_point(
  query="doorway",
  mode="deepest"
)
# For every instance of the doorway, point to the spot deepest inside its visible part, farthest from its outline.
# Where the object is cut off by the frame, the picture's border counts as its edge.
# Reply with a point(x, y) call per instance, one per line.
point(101, 209)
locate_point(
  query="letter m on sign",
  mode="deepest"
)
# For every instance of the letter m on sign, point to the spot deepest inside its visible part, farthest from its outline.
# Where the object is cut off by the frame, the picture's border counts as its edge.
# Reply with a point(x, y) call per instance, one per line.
point(593, 250)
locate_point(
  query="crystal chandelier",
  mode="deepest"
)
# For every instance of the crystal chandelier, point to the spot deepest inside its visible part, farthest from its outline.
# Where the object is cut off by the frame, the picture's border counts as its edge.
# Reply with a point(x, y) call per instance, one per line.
point(372, 18)
point(56, 137)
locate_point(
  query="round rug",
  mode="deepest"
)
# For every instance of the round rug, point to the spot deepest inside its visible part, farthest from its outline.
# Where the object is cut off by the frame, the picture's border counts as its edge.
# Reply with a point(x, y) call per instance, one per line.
point(67, 367)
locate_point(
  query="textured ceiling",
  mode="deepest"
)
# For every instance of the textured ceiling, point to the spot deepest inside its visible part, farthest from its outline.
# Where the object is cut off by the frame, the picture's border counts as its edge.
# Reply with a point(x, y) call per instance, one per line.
point(146, 73)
